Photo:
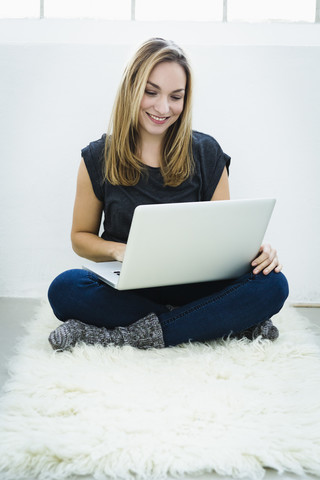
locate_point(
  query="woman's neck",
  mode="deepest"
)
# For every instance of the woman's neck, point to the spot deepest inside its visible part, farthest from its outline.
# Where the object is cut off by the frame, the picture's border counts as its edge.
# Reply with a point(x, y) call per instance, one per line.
point(150, 151)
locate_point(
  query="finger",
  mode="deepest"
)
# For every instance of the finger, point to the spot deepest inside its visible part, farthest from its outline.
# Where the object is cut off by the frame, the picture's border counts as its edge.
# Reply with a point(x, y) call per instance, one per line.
point(261, 258)
point(267, 256)
point(269, 268)
point(261, 266)
point(273, 265)
point(278, 268)
point(261, 249)
point(266, 266)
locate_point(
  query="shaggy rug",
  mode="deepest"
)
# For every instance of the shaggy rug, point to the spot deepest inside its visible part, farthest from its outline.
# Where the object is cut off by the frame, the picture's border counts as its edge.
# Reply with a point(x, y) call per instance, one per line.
point(232, 407)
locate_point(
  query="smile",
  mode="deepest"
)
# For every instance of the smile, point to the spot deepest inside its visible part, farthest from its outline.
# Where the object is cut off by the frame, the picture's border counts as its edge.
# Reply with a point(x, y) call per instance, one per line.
point(158, 120)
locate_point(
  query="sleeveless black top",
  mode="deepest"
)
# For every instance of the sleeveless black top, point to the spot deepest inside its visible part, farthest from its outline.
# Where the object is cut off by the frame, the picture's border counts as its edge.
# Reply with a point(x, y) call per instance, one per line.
point(120, 201)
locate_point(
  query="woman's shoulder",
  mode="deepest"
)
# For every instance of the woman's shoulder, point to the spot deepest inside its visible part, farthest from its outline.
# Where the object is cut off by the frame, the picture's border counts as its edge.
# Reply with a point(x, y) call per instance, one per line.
point(93, 156)
point(204, 142)
point(207, 151)
point(95, 149)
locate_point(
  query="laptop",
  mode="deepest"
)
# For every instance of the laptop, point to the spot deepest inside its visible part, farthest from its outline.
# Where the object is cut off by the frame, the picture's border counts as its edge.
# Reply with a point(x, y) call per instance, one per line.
point(179, 243)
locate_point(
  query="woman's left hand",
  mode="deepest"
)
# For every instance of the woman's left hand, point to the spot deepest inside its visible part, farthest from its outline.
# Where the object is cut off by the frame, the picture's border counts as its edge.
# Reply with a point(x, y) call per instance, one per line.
point(266, 261)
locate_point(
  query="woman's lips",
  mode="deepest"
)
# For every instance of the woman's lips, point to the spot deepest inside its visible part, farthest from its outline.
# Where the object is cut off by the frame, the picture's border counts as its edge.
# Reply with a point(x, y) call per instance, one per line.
point(156, 119)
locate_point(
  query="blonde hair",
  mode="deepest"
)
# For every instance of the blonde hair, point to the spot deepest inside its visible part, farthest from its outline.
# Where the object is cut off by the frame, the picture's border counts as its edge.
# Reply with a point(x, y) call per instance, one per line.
point(122, 164)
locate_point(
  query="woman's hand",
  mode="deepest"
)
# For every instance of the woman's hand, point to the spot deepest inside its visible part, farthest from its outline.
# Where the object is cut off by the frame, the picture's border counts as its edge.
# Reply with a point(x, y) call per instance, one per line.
point(119, 251)
point(266, 261)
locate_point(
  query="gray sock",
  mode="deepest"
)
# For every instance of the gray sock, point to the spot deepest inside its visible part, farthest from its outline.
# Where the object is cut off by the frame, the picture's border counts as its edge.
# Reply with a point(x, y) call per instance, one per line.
point(145, 333)
point(266, 329)
point(67, 335)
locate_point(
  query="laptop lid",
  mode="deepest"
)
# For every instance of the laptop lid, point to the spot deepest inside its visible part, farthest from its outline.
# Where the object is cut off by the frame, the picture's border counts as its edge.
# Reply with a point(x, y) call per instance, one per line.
point(193, 242)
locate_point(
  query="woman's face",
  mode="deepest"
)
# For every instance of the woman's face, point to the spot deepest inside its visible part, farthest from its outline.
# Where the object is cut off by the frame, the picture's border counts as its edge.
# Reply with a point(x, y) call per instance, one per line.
point(163, 99)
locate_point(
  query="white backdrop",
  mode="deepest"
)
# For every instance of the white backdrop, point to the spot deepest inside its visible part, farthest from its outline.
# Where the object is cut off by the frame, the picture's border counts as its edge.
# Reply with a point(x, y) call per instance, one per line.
point(256, 91)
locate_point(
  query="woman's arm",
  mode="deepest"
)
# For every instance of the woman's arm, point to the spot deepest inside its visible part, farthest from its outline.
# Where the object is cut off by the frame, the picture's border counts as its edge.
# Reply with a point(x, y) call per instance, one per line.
point(222, 191)
point(86, 223)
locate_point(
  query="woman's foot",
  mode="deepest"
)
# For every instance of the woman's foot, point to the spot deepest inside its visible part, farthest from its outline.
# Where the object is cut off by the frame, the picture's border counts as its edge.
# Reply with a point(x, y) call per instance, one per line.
point(67, 335)
point(145, 333)
point(265, 329)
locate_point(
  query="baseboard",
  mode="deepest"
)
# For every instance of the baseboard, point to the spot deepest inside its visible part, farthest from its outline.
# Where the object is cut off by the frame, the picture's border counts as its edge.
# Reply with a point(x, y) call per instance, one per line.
point(305, 304)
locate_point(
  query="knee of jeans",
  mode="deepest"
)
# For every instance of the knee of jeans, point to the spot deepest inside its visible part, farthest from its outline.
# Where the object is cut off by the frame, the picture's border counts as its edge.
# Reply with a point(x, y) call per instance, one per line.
point(278, 289)
point(59, 291)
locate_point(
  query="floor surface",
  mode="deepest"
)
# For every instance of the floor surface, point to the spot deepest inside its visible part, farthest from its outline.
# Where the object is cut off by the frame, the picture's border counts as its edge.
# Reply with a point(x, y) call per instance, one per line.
point(14, 312)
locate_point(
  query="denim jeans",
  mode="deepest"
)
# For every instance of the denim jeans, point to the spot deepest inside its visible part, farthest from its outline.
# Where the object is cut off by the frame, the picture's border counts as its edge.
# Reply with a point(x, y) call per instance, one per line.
point(203, 311)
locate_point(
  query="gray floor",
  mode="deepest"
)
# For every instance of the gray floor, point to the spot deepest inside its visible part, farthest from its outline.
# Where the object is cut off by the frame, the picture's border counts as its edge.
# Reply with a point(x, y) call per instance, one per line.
point(15, 311)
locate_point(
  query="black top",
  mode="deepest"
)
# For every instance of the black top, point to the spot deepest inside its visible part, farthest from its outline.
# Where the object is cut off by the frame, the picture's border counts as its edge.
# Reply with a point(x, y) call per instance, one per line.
point(120, 202)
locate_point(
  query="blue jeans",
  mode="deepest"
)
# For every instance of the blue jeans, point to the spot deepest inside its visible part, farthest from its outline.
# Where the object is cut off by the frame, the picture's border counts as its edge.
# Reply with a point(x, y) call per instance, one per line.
point(204, 311)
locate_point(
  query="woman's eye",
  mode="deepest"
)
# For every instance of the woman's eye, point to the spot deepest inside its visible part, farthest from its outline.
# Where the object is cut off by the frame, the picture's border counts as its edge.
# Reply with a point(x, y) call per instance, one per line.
point(176, 98)
point(148, 92)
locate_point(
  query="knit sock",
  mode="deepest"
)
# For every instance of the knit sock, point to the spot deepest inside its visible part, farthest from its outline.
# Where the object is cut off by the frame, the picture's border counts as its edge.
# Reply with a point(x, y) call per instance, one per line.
point(67, 335)
point(144, 333)
point(266, 329)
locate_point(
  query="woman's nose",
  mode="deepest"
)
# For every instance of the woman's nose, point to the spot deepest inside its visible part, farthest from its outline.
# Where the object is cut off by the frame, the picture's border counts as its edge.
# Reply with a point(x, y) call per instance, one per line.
point(162, 105)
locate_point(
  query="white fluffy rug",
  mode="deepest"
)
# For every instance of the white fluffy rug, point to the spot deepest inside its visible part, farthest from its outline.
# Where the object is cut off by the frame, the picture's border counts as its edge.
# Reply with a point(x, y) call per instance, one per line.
point(234, 407)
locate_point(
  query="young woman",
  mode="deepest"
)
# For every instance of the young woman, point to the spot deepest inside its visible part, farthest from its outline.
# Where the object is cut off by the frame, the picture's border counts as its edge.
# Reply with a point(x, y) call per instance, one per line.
point(153, 156)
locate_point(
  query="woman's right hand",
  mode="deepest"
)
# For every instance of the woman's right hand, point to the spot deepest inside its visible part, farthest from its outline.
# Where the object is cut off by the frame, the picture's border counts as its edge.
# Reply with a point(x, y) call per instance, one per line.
point(119, 251)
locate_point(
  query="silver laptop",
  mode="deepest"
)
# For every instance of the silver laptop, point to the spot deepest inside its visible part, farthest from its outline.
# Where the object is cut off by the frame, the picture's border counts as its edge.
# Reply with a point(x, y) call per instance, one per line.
point(180, 243)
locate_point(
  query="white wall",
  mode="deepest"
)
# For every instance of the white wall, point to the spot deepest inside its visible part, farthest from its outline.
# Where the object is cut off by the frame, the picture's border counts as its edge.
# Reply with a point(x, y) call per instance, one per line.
point(257, 93)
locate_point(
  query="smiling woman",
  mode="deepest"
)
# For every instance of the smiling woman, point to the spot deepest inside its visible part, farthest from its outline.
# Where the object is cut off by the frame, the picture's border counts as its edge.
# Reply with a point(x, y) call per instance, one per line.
point(162, 102)
point(151, 121)
point(160, 107)
point(151, 156)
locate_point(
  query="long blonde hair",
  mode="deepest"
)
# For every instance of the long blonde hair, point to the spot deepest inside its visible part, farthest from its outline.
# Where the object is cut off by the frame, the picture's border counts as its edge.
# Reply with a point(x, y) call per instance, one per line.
point(122, 164)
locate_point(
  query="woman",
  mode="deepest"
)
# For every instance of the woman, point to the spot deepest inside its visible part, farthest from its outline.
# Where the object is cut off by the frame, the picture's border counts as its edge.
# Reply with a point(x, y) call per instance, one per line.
point(153, 156)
